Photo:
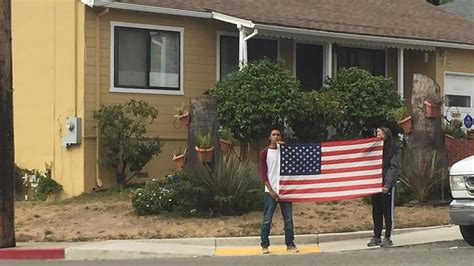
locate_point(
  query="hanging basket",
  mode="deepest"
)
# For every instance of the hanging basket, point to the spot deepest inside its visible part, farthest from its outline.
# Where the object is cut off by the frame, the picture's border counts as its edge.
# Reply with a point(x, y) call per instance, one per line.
point(204, 155)
point(431, 110)
point(179, 161)
point(405, 124)
point(183, 120)
point(225, 146)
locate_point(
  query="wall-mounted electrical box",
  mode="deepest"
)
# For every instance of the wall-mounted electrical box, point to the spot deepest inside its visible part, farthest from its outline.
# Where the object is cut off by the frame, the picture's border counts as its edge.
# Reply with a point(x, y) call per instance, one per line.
point(72, 131)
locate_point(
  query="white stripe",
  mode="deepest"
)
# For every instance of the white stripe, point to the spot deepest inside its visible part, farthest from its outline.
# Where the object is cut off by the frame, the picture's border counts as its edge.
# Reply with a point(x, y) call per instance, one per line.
point(354, 164)
point(334, 184)
point(324, 176)
point(350, 156)
point(331, 194)
point(353, 146)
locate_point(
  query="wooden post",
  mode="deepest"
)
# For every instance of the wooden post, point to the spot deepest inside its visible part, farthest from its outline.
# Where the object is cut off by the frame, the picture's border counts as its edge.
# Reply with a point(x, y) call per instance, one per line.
point(7, 186)
point(203, 118)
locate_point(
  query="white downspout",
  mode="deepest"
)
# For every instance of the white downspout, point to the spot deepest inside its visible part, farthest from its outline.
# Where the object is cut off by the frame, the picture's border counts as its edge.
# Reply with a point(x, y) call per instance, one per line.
point(243, 38)
point(400, 72)
point(328, 61)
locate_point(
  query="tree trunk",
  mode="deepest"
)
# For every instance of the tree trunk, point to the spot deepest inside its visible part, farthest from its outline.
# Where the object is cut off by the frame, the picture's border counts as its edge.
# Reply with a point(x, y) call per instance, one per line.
point(7, 179)
point(427, 133)
point(203, 118)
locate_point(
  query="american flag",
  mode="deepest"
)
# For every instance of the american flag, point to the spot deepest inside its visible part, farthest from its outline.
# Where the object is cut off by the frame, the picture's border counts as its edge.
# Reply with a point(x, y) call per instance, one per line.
point(333, 170)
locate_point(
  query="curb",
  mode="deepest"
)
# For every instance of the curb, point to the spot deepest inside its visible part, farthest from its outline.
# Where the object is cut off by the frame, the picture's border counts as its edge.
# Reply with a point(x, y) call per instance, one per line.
point(20, 253)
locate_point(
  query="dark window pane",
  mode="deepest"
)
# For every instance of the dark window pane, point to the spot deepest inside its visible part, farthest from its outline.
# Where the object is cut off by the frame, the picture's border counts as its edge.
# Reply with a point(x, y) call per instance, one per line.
point(458, 100)
point(262, 48)
point(368, 59)
point(229, 55)
point(164, 59)
point(309, 66)
point(131, 57)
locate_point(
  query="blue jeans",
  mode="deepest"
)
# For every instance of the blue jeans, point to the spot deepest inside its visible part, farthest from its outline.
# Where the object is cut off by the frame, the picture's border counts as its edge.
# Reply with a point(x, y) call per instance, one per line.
point(269, 205)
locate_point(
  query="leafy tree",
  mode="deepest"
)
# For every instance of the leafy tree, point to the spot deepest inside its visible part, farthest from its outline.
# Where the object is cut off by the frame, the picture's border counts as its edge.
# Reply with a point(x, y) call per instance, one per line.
point(123, 133)
point(257, 97)
point(369, 100)
point(317, 111)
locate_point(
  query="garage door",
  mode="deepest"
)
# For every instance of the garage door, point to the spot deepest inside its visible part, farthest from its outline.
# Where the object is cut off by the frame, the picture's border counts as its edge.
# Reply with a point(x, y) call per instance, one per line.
point(459, 94)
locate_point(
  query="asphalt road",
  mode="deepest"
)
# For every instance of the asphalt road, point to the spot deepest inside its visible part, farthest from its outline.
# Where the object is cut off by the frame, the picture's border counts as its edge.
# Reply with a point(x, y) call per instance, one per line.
point(445, 253)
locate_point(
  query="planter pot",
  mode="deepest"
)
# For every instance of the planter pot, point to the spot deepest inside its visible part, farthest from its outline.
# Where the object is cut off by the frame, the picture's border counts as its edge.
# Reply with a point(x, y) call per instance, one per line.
point(405, 124)
point(204, 155)
point(179, 160)
point(225, 146)
point(183, 119)
point(431, 110)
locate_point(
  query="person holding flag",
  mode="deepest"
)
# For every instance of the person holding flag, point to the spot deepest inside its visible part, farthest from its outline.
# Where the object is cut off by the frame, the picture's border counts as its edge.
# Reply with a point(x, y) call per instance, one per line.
point(269, 171)
point(383, 203)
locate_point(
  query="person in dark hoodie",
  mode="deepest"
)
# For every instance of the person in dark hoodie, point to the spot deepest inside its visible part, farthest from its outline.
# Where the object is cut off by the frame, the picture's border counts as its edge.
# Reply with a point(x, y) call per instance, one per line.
point(383, 203)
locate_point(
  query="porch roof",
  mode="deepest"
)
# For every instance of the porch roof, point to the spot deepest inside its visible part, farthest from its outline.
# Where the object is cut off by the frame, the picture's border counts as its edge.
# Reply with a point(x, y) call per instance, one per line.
point(402, 19)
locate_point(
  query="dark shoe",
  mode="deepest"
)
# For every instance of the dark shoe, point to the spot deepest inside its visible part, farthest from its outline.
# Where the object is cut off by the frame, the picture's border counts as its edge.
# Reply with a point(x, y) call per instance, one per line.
point(292, 249)
point(265, 251)
point(387, 242)
point(375, 241)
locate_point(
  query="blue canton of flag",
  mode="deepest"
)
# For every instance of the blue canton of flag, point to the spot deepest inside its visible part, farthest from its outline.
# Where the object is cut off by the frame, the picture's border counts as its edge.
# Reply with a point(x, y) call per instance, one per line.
point(300, 159)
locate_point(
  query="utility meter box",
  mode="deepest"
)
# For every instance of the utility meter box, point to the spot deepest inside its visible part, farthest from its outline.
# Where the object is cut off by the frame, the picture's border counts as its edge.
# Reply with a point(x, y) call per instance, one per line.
point(72, 131)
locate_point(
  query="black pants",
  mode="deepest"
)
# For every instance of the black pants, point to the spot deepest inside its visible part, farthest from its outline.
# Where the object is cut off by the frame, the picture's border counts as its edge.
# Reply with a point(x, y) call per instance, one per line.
point(382, 207)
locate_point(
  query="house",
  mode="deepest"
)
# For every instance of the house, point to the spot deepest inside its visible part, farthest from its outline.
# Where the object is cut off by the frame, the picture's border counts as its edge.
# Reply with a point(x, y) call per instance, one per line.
point(71, 56)
point(463, 8)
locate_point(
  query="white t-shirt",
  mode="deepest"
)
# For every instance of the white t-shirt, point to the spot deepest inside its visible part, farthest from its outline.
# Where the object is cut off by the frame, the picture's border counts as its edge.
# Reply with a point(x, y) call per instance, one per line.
point(273, 168)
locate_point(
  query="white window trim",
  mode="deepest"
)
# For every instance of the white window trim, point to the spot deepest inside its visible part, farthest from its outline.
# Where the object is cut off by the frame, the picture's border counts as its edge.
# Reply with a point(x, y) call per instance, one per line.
point(236, 34)
point(114, 24)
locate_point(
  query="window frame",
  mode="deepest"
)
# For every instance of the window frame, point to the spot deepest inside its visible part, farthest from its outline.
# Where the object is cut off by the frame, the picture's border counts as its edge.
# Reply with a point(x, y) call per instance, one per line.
point(150, 90)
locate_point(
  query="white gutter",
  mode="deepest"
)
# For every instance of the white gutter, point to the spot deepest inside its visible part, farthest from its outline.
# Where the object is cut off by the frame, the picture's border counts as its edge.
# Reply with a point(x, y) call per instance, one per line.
point(232, 20)
point(359, 37)
point(150, 9)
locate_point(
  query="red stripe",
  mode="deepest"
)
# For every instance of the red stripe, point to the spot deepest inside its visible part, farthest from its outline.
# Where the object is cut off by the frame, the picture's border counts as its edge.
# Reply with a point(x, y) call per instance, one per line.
point(353, 160)
point(350, 151)
point(329, 180)
point(329, 189)
point(31, 253)
point(326, 198)
point(349, 142)
point(351, 169)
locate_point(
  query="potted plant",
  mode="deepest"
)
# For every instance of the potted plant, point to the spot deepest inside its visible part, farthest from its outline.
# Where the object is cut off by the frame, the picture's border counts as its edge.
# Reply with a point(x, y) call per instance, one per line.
point(182, 115)
point(178, 158)
point(204, 148)
point(226, 140)
point(432, 105)
point(403, 119)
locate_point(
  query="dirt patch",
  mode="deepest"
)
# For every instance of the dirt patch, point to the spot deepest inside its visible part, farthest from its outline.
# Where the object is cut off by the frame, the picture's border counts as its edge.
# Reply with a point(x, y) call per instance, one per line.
point(113, 218)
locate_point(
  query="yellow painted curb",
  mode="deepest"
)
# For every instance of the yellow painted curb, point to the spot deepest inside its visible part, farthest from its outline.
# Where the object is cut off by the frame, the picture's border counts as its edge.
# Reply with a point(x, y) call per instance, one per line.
point(274, 250)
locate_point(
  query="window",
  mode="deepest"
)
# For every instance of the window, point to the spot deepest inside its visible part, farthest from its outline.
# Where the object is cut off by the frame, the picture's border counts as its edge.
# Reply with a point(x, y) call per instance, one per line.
point(147, 59)
point(368, 59)
point(309, 66)
point(458, 100)
point(256, 49)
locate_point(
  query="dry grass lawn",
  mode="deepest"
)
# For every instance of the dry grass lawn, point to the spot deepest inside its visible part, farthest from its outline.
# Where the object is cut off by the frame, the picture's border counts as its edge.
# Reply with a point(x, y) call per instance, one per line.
point(95, 217)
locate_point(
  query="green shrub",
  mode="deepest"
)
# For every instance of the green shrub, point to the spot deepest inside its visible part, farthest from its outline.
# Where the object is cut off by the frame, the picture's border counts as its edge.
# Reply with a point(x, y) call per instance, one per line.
point(317, 111)
point(255, 98)
point(154, 198)
point(123, 134)
point(369, 100)
point(45, 184)
point(454, 129)
point(19, 185)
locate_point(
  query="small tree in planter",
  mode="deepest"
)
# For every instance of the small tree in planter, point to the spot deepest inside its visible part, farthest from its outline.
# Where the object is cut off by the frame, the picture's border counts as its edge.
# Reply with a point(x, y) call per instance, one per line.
point(123, 134)
point(403, 119)
point(226, 140)
point(182, 115)
point(432, 105)
point(204, 148)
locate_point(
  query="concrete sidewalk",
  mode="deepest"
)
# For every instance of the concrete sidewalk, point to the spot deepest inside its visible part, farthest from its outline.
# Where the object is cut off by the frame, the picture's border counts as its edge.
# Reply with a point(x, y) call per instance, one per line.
point(222, 246)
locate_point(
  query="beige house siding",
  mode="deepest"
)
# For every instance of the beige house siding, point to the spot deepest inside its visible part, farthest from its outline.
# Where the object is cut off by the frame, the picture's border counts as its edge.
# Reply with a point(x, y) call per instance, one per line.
point(200, 40)
point(48, 86)
point(416, 61)
point(453, 60)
